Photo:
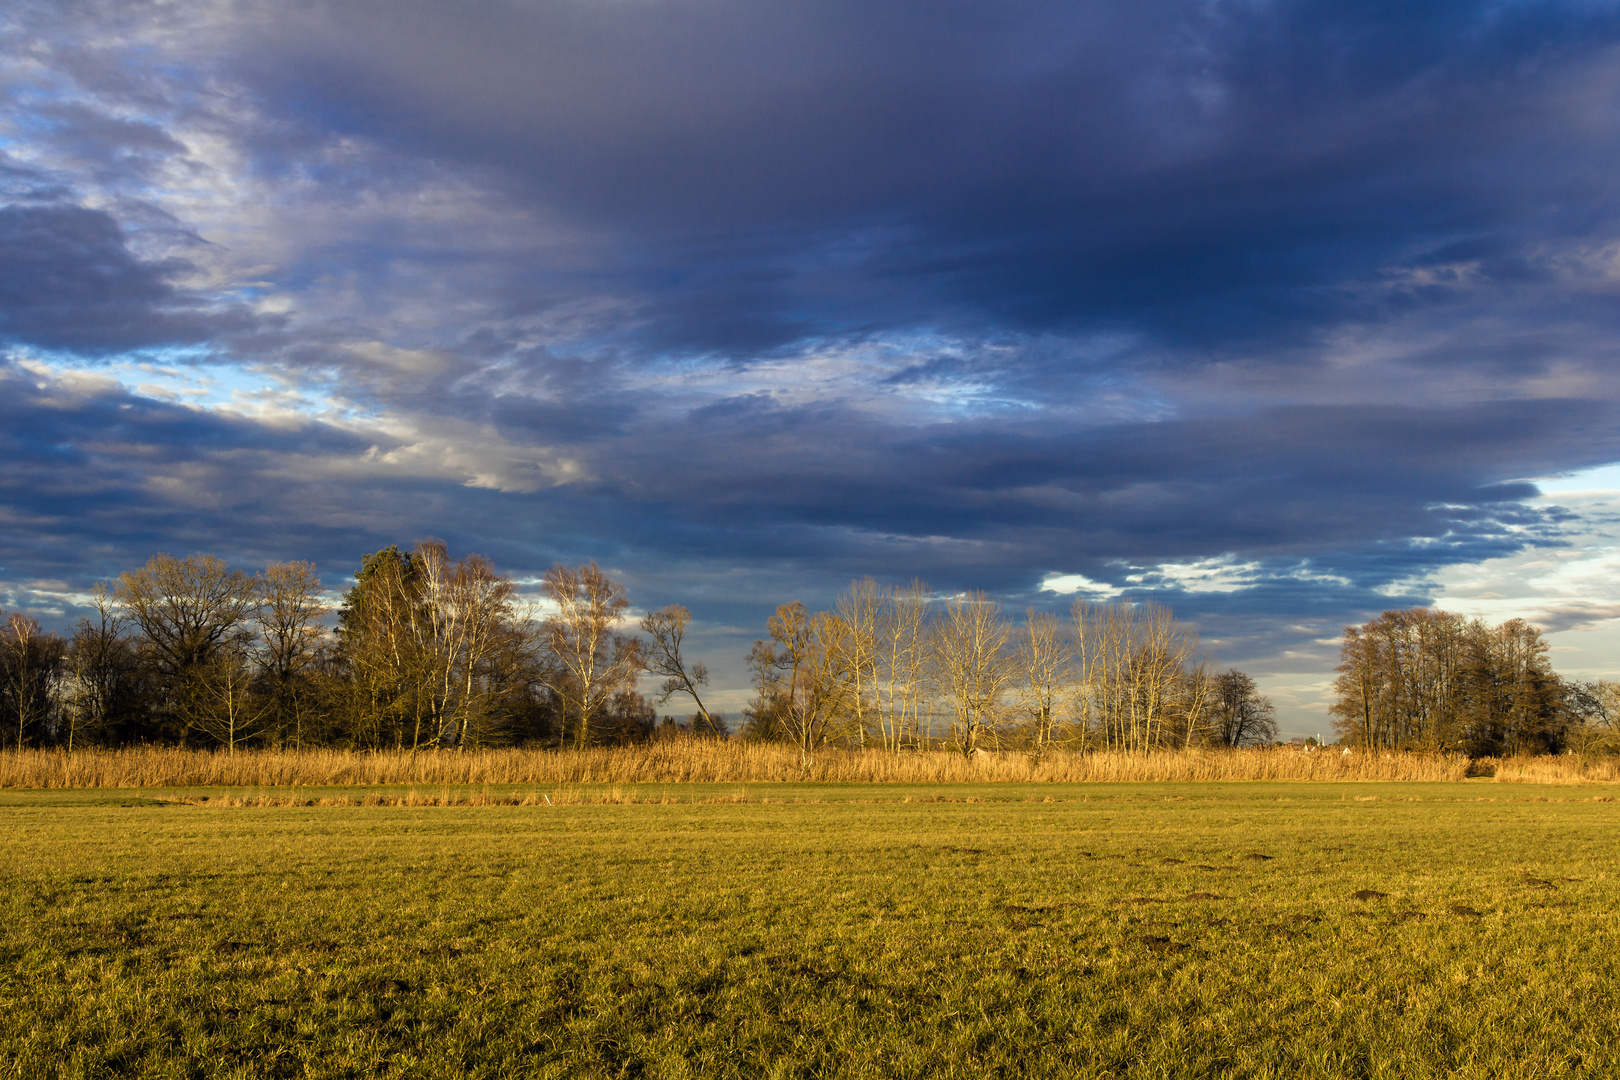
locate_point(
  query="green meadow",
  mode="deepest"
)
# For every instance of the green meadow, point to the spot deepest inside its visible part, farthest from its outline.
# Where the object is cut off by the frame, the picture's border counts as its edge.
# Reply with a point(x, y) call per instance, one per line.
point(1155, 930)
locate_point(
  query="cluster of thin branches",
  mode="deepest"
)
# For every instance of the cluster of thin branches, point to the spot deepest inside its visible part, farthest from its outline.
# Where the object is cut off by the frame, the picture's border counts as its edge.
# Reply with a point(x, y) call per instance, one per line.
point(896, 668)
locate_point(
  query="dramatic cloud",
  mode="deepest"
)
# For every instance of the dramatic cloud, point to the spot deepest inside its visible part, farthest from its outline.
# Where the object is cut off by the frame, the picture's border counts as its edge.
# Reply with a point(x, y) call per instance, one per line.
point(1276, 311)
point(68, 280)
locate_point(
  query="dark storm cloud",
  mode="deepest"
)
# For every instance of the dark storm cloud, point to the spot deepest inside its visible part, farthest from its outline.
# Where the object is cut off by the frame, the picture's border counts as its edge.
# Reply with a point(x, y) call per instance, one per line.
point(68, 280)
point(1390, 492)
point(1215, 173)
point(97, 477)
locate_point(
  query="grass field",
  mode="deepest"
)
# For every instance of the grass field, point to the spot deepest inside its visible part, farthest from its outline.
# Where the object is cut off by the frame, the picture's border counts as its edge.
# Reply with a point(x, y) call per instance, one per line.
point(1165, 930)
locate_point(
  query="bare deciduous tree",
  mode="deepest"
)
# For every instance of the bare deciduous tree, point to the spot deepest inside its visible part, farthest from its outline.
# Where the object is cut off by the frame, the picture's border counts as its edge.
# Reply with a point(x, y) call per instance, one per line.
point(466, 607)
point(101, 667)
point(592, 658)
point(1242, 715)
point(1594, 709)
point(972, 668)
point(223, 703)
point(187, 607)
point(802, 682)
point(188, 610)
point(1045, 659)
point(1194, 698)
point(30, 663)
point(666, 630)
point(290, 626)
point(1133, 661)
point(901, 662)
point(859, 612)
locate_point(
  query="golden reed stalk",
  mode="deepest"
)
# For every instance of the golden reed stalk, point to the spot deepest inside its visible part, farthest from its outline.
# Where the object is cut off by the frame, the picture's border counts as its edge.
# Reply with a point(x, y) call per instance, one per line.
point(707, 761)
point(1564, 769)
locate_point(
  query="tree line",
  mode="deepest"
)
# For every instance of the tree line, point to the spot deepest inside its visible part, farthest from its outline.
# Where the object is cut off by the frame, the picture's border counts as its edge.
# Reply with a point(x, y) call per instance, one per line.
point(425, 651)
point(1422, 679)
point(898, 668)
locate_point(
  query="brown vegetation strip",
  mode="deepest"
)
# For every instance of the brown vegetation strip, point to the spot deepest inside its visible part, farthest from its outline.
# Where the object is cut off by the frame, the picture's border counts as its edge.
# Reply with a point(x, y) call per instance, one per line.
point(702, 761)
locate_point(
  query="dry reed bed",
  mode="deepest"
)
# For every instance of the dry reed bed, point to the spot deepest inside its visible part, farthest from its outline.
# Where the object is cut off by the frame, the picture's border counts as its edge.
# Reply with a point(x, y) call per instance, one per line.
point(714, 762)
point(556, 797)
point(618, 796)
point(1565, 769)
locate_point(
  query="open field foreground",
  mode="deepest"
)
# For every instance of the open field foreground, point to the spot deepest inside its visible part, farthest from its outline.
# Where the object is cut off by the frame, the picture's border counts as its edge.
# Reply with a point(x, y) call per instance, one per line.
point(1458, 929)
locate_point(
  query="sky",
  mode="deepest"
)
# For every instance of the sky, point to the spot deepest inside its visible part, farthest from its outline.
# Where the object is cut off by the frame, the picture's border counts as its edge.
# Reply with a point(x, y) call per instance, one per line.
point(1281, 314)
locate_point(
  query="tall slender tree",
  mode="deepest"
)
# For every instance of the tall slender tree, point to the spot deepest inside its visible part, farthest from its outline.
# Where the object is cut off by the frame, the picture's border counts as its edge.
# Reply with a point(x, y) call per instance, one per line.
point(973, 669)
point(901, 662)
point(591, 658)
point(290, 626)
point(1044, 659)
point(30, 666)
point(104, 674)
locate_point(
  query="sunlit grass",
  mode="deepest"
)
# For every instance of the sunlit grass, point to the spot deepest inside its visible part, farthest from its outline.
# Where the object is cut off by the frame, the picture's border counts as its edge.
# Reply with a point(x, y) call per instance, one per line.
point(860, 930)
